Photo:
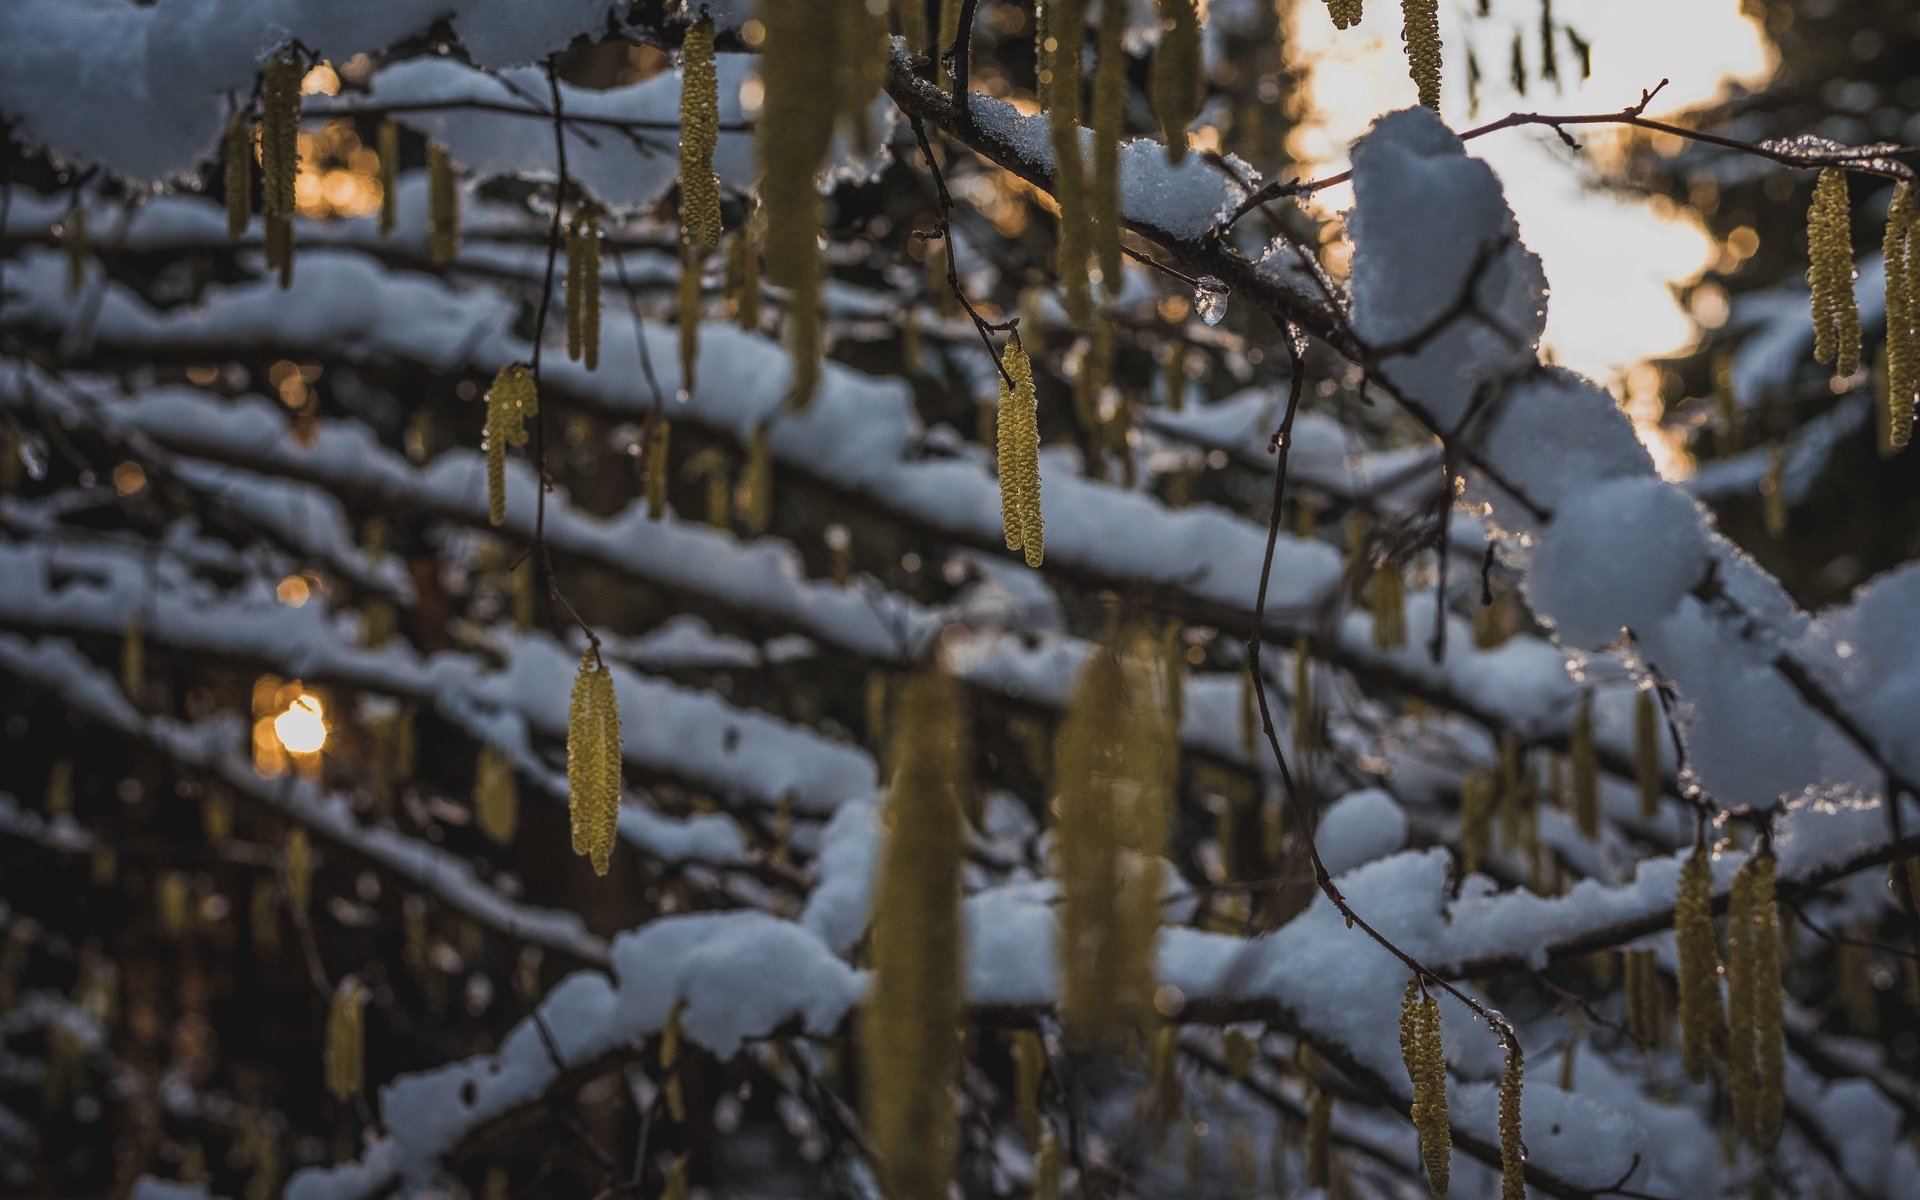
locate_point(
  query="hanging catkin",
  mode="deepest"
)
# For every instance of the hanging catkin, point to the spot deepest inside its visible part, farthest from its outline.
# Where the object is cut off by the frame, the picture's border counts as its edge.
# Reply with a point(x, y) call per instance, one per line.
point(756, 483)
point(510, 401)
point(1345, 13)
point(1836, 318)
point(1387, 601)
point(443, 206)
point(1046, 1168)
point(1584, 759)
point(1319, 1140)
point(1646, 751)
point(1901, 379)
point(1109, 124)
point(496, 796)
point(794, 130)
point(1029, 1055)
point(133, 660)
point(860, 66)
point(1513, 1154)
point(910, 21)
point(1702, 1020)
point(742, 277)
point(1177, 85)
point(299, 863)
point(345, 1050)
point(687, 312)
point(1754, 1001)
point(1113, 768)
point(236, 164)
point(280, 157)
point(583, 290)
point(1420, 35)
point(699, 134)
point(1426, 1062)
point(593, 761)
point(913, 1011)
point(1476, 818)
point(388, 148)
point(659, 442)
point(1019, 456)
point(670, 1037)
point(1066, 23)
point(1306, 717)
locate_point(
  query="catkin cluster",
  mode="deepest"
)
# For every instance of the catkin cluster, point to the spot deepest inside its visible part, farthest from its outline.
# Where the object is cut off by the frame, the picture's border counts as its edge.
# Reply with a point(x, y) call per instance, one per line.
point(510, 401)
point(1584, 758)
point(280, 157)
point(1901, 252)
point(496, 796)
point(1646, 751)
point(236, 165)
point(699, 134)
point(795, 129)
point(1387, 601)
point(1702, 1020)
point(1345, 13)
point(1836, 319)
point(1513, 1151)
point(1420, 34)
point(1176, 84)
point(1019, 452)
point(1109, 125)
point(1755, 998)
point(593, 761)
point(299, 859)
point(388, 148)
point(1426, 1063)
point(1114, 765)
point(583, 290)
point(443, 206)
point(913, 1013)
point(345, 1050)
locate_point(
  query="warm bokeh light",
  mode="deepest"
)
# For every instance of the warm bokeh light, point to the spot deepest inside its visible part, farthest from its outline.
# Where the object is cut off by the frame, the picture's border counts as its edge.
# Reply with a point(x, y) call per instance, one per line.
point(302, 728)
point(339, 177)
point(1613, 261)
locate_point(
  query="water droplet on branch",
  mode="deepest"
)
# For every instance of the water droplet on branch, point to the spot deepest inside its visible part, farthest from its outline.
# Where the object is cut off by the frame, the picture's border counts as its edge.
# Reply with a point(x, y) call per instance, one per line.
point(1210, 299)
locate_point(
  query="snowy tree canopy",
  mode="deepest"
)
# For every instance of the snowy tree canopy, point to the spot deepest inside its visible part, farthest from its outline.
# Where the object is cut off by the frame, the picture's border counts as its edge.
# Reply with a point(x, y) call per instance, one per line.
point(769, 596)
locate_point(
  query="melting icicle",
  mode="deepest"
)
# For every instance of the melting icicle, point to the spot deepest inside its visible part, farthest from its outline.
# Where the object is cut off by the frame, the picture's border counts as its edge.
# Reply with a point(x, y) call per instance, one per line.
point(1210, 299)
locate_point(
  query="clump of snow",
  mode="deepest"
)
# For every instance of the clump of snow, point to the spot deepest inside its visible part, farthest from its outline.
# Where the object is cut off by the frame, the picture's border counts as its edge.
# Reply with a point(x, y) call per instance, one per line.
point(1621, 553)
point(1358, 828)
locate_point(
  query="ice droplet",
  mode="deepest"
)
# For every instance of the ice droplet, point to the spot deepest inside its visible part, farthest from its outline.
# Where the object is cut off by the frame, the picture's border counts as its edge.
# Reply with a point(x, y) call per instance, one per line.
point(1210, 299)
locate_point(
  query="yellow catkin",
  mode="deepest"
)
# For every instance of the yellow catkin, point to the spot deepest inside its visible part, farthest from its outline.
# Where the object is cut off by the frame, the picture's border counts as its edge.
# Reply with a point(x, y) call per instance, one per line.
point(1177, 86)
point(1306, 716)
point(756, 483)
point(1109, 121)
point(59, 793)
point(133, 660)
point(742, 279)
point(1646, 751)
point(1019, 456)
point(910, 22)
point(913, 1010)
point(1046, 1168)
point(794, 130)
point(1702, 1019)
point(1584, 759)
point(496, 796)
point(1029, 1055)
point(659, 444)
point(1513, 1154)
point(1901, 378)
point(1420, 35)
point(1345, 13)
point(1755, 999)
point(1387, 600)
point(676, 1188)
point(860, 66)
point(593, 761)
point(299, 863)
point(280, 157)
point(388, 147)
point(583, 290)
point(263, 921)
point(1066, 27)
point(216, 814)
point(699, 134)
point(345, 1049)
point(1320, 1139)
point(443, 206)
point(1476, 818)
point(175, 902)
point(687, 313)
point(510, 402)
point(236, 162)
point(1421, 1050)
point(1113, 768)
point(1773, 493)
point(1836, 317)
point(671, 1035)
